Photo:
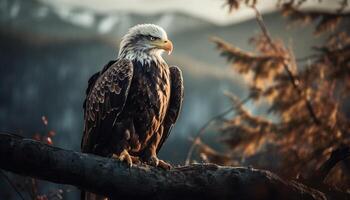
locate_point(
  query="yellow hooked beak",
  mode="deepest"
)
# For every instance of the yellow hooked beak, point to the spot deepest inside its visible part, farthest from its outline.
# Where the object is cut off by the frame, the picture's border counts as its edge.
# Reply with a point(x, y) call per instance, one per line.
point(167, 45)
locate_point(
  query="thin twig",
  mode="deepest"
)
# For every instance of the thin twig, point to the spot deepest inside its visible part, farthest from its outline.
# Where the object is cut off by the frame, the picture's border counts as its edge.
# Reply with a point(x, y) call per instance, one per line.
point(33, 187)
point(8, 180)
point(204, 127)
point(292, 78)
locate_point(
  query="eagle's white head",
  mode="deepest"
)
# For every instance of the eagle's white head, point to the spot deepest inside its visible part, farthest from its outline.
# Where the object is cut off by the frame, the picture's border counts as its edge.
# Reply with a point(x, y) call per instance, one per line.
point(145, 42)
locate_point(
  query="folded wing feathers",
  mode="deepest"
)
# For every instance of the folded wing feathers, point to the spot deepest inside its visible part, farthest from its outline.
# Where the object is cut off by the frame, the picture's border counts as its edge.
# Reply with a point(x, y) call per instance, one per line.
point(109, 89)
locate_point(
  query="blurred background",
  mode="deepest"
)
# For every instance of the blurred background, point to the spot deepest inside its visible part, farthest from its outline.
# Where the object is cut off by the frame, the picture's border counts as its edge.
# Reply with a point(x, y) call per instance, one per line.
point(50, 48)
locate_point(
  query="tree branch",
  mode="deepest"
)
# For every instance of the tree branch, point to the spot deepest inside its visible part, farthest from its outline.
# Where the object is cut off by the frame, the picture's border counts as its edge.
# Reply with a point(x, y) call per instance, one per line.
point(201, 131)
point(292, 78)
point(8, 180)
point(111, 178)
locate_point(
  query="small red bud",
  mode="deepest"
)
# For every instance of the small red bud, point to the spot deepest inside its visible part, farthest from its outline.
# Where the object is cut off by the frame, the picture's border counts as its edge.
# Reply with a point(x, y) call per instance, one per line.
point(49, 141)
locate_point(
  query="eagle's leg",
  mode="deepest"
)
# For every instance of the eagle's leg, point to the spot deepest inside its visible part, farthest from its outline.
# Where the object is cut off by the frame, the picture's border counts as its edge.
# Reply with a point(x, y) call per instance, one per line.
point(150, 153)
point(124, 145)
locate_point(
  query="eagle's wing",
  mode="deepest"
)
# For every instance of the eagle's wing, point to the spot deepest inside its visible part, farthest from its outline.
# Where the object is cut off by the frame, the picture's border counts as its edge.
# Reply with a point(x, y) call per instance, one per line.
point(175, 104)
point(93, 79)
point(106, 97)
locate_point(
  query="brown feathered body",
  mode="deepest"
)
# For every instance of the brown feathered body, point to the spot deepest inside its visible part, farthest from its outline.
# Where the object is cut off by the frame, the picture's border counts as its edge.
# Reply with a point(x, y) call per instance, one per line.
point(147, 106)
point(126, 107)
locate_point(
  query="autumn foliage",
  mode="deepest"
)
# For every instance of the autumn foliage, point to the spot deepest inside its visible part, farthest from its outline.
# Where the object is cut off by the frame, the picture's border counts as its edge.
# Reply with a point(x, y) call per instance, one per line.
point(307, 99)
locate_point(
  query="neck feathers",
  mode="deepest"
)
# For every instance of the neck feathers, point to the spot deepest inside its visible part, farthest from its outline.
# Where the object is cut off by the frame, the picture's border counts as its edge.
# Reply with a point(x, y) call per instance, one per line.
point(143, 57)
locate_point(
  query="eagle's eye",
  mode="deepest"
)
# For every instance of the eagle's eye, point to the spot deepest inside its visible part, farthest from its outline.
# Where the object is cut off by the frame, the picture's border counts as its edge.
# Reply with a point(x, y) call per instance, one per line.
point(152, 38)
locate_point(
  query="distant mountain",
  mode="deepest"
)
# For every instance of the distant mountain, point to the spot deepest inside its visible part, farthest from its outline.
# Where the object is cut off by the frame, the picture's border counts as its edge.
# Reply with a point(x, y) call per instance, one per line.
point(40, 18)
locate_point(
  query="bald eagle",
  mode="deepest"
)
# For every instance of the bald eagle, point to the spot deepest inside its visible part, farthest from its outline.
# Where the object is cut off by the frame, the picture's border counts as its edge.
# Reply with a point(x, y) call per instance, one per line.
point(134, 101)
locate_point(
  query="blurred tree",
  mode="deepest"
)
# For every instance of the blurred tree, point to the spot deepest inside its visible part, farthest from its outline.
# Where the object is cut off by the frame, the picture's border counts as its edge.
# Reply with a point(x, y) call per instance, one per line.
point(307, 95)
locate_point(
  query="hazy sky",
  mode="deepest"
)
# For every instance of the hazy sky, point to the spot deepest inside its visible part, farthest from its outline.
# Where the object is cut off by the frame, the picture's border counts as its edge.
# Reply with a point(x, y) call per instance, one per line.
point(209, 10)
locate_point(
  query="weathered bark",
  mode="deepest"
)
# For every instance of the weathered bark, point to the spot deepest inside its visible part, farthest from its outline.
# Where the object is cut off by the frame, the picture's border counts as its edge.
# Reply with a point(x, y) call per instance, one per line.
point(111, 178)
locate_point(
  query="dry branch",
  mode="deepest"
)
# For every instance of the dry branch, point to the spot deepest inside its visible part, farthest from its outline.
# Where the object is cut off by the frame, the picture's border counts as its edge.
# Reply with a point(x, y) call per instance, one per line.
point(112, 178)
point(290, 74)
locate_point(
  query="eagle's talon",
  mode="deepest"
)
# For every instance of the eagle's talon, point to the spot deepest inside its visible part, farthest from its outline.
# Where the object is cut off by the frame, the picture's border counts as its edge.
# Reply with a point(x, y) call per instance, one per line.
point(124, 156)
point(156, 162)
point(164, 165)
point(135, 159)
point(153, 160)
